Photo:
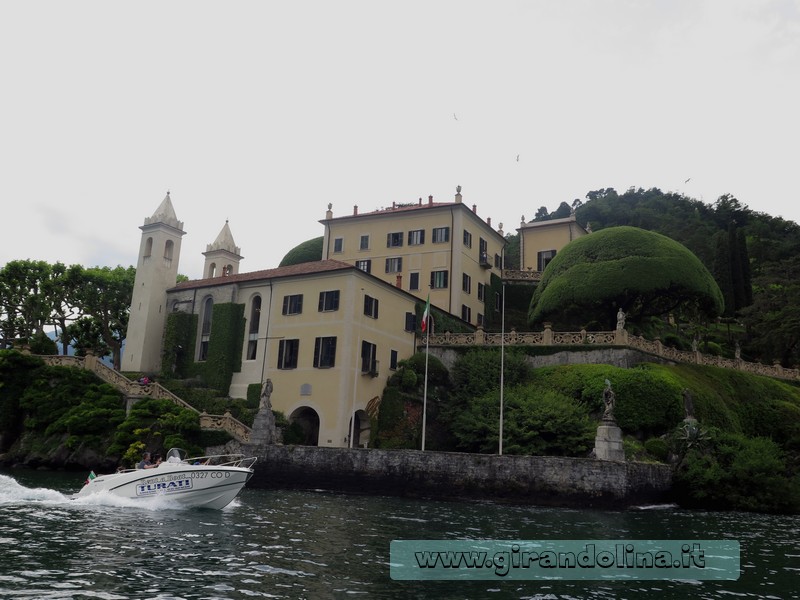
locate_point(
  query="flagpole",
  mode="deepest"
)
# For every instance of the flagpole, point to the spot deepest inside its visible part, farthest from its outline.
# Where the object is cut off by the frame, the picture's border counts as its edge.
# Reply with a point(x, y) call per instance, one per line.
point(425, 390)
point(426, 318)
point(502, 347)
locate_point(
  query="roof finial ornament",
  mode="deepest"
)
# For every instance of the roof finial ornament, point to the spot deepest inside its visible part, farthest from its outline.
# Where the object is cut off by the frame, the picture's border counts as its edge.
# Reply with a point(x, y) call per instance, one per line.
point(458, 189)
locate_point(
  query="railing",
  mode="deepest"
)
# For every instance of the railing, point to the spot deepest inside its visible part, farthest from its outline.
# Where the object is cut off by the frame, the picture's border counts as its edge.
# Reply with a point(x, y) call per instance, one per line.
point(134, 389)
point(528, 275)
point(618, 337)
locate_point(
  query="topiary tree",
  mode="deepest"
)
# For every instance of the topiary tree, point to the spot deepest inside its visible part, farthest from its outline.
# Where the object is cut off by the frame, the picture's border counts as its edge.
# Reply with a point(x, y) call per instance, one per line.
point(308, 251)
point(641, 272)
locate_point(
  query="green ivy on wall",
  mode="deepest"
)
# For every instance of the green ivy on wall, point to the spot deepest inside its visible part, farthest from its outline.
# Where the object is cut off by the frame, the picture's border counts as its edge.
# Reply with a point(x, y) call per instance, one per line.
point(224, 345)
point(180, 336)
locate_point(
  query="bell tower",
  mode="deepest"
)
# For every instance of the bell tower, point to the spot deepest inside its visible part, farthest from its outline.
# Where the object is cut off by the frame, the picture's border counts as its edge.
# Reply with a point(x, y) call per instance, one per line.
point(156, 272)
point(223, 256)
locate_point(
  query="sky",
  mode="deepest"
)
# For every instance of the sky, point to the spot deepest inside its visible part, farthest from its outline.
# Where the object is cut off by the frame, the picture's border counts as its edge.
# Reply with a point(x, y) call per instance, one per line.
point(264, 112)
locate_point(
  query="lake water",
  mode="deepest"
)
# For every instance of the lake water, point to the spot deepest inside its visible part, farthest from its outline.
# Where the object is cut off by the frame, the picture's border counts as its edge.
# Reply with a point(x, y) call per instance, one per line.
point(289, 544)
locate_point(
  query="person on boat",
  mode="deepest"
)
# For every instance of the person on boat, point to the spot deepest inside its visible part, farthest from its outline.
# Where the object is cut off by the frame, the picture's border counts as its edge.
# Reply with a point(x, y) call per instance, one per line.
point(146, 463)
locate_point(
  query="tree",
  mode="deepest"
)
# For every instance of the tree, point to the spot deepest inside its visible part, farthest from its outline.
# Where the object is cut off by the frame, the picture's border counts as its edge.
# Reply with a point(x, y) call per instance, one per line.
point(26, 308)
point(641, 272)
point(773, 319)
point(105, 299)
point(309, 251)
point(61, 289)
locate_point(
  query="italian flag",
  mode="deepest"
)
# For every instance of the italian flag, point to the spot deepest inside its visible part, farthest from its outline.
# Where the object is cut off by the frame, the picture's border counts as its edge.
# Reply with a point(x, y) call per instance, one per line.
point(427, 315)
point(89, 478)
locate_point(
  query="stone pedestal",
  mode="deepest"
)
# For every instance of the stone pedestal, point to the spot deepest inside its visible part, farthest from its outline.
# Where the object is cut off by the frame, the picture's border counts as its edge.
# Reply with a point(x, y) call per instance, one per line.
point(608, 442)
point(264, 431)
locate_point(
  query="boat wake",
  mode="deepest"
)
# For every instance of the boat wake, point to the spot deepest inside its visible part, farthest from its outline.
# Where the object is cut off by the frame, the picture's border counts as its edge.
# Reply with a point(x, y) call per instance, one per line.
point(13, 492)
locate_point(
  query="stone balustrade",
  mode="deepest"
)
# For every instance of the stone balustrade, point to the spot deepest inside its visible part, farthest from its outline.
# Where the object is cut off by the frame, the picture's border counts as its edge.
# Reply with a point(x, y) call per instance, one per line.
point(136, 390)
point(618, 337)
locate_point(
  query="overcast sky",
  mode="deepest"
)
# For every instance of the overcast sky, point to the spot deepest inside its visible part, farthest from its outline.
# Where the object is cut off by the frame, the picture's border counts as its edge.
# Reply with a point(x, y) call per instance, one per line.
point(264, 112)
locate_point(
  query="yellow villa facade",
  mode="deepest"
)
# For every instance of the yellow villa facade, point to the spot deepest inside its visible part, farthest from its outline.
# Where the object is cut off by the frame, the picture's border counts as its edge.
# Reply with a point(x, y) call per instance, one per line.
point(539, 241)
point(325, 334)
point(439, 248)
point(328, 334)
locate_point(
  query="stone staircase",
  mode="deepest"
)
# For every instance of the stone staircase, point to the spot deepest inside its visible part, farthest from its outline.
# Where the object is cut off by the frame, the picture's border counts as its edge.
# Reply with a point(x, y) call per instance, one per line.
point(134, 391)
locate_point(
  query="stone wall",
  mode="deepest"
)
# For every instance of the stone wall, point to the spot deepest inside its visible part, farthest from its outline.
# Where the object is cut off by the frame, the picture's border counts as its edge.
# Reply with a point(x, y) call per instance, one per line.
point(540, 480)
point(625, 358)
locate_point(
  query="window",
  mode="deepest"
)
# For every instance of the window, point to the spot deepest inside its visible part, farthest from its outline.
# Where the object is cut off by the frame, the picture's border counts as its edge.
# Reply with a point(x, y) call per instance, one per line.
point(483, 252)
point(288, 351)
point(393, 360)
point(416, 237)
point(324, 352)
point(498, 302)
point(441, 235)
point(466, 313)
point(467, 239)
point(466, 283)
point(329, 301)
point(255, 318)
point(498, 261)
point(544, 258)
point(394, 265)
point(371, 307)
point(394, 240)
point(293, 305)
point(338, 245)
point(480, 320)
point(413, 281)
point(411, 321)
point(363, 244)
point(369, 363)
point(438, 279)
point(481, 292)
point(364, 265)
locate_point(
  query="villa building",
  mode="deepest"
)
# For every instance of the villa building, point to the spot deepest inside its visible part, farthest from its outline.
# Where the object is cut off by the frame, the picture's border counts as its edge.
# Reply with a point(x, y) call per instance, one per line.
point(326, 334)
point(439, 248)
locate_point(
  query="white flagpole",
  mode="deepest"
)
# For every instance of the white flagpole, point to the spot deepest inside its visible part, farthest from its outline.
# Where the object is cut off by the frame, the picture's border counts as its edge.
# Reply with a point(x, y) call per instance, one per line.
point(502, 347)
point(425, 388)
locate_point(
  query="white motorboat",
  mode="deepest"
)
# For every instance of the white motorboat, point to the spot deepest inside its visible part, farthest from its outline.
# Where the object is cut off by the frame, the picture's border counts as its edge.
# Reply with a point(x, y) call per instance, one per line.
point(205, 481)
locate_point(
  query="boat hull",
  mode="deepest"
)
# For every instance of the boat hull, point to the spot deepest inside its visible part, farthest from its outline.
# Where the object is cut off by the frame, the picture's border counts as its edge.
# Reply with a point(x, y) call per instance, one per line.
point(188, 485)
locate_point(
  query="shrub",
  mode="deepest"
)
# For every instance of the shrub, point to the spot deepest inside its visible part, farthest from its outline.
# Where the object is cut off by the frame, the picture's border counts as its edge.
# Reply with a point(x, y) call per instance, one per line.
point(535, 422)
point(737, 473)
point(657, 448)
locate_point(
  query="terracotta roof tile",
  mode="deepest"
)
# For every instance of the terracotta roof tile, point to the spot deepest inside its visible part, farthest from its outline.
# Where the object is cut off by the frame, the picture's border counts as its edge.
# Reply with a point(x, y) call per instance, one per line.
point(308, 268)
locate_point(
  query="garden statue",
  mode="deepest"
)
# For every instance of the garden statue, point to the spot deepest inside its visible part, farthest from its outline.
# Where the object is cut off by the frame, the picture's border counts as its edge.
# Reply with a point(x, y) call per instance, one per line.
point(620, 319)
point(266, 392)
point(609, 401)
point(688, 405)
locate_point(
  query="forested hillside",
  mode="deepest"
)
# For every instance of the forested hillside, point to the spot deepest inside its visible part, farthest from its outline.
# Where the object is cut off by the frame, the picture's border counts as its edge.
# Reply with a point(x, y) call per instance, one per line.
point(754, 257)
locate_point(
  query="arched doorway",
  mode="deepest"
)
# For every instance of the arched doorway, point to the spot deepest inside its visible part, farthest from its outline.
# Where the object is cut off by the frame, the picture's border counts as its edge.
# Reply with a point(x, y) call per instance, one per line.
point(305, 422)
point(361, 430)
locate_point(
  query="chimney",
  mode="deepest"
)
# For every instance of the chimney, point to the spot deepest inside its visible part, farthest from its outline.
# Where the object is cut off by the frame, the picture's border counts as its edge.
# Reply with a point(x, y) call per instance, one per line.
point(420, 200)
point(394, 205)
point(355, 210)
point(430, 200)
point(399, 282)
point(489, 221)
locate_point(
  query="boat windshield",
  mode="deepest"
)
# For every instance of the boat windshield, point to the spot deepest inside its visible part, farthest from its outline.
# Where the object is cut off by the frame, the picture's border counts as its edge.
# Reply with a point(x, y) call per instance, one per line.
point(174, 455)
